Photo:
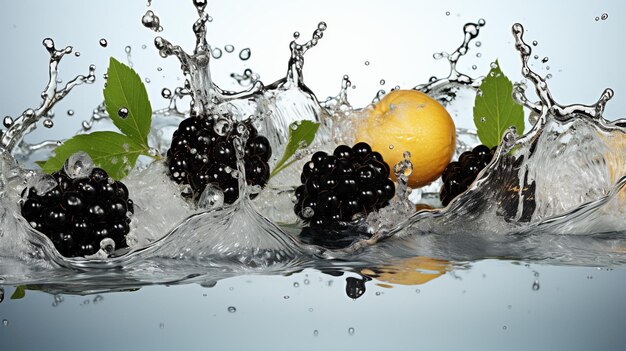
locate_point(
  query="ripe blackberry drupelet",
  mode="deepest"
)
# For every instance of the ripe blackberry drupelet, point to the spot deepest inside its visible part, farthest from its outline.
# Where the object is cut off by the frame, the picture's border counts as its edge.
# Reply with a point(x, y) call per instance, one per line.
point(199, 156)
point(335, 188)
point(77, 214)
point(459, 175)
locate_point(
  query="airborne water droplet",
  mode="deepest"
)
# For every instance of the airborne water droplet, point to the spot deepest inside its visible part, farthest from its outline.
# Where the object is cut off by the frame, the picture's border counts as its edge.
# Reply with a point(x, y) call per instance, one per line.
point(245, 54)
point(166, 93)
point(604, 16)
point(367, 63)
point(351, 331)
point(229, 48)
point(232, 309)
point(70, 112)
point(316, 332)
point(103, 43)
point(48, 123)
point(447, 13)
point(216, 53)
point(8, 121)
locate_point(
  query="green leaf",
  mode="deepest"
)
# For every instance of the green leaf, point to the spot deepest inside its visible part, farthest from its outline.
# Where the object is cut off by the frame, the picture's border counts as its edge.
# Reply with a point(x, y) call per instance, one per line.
point(300, 133)
point(124, 89)
point(115, 153)
point(495, 110)
point(19, 293)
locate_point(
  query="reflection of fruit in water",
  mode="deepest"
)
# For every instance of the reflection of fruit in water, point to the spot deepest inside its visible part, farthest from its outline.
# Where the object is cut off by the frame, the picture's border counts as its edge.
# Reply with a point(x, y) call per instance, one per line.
point(409, 120)
point(412, 271)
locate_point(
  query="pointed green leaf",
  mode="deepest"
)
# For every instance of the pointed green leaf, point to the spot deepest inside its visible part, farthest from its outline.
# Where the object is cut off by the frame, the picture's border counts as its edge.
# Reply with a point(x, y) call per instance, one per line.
point(495, 110)
point(115, 153)
point(19, 293)
point(124, 89)
point(301, 134)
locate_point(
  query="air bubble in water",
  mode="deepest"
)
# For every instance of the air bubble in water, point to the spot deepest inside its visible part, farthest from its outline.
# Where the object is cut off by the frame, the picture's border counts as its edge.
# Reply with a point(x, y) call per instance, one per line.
point(212, 197)
point(123, 112)
point(245, 54)
point(79, 165)
point(536, 285)
point(229, 48)
point(232, 309)
point(104, 43)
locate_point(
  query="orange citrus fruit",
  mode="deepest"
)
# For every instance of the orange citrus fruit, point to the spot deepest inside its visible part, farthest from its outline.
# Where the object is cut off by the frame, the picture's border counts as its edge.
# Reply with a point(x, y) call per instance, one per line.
point(409, 120)
point(412, 271)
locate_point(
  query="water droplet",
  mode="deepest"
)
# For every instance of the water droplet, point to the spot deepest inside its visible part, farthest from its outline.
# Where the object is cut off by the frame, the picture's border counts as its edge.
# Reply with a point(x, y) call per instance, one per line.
point(122, 112)
point(286, 297)
point(232, 309)
point(229, 48)
point(350, 331)
point(544, 60)
point(161, 325)
point(493, 65)
point(217, 53)
point(378, 293)
point(316, 333)
point(382, 82)
point(147, 80)
point(211, 198)
point(77, 54)
point(604, 16)
point(166, 93)
point(483, 119)
point(296, 284)
point(504, 327)
point(151, 21)
point(535, 43)
point(447, 13)
point(417, 291)
point(478, 44)
point(509, 307)
point(367, 63)
point(103, 43)
point(128, 49)
point(70, 112)
point(98, 299)
point(48, 123)
point(144, 46)
point(478, 54)
point(5, 322)
point(8, 121)
point(597, 19)
point(310, 309)
point(307, 282)
point(245, 54)
point(536, 285)
point(474, 67)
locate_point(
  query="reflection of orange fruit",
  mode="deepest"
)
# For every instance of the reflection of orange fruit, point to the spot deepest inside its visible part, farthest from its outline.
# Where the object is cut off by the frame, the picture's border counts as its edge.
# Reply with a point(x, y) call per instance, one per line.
point(409, 120)
point(412, 271)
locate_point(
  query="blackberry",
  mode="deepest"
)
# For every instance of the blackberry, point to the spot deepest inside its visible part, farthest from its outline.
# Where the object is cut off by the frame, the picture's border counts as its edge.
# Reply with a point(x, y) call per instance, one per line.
point(335, 188)
point(199, 156)
point(77, 214)
point(459, 175)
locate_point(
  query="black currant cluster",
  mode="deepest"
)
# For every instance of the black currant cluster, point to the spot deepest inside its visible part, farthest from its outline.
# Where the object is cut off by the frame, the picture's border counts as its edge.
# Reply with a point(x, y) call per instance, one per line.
point(459, 175)
point(77, 214)
point(200, 156)
point(353, 180)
